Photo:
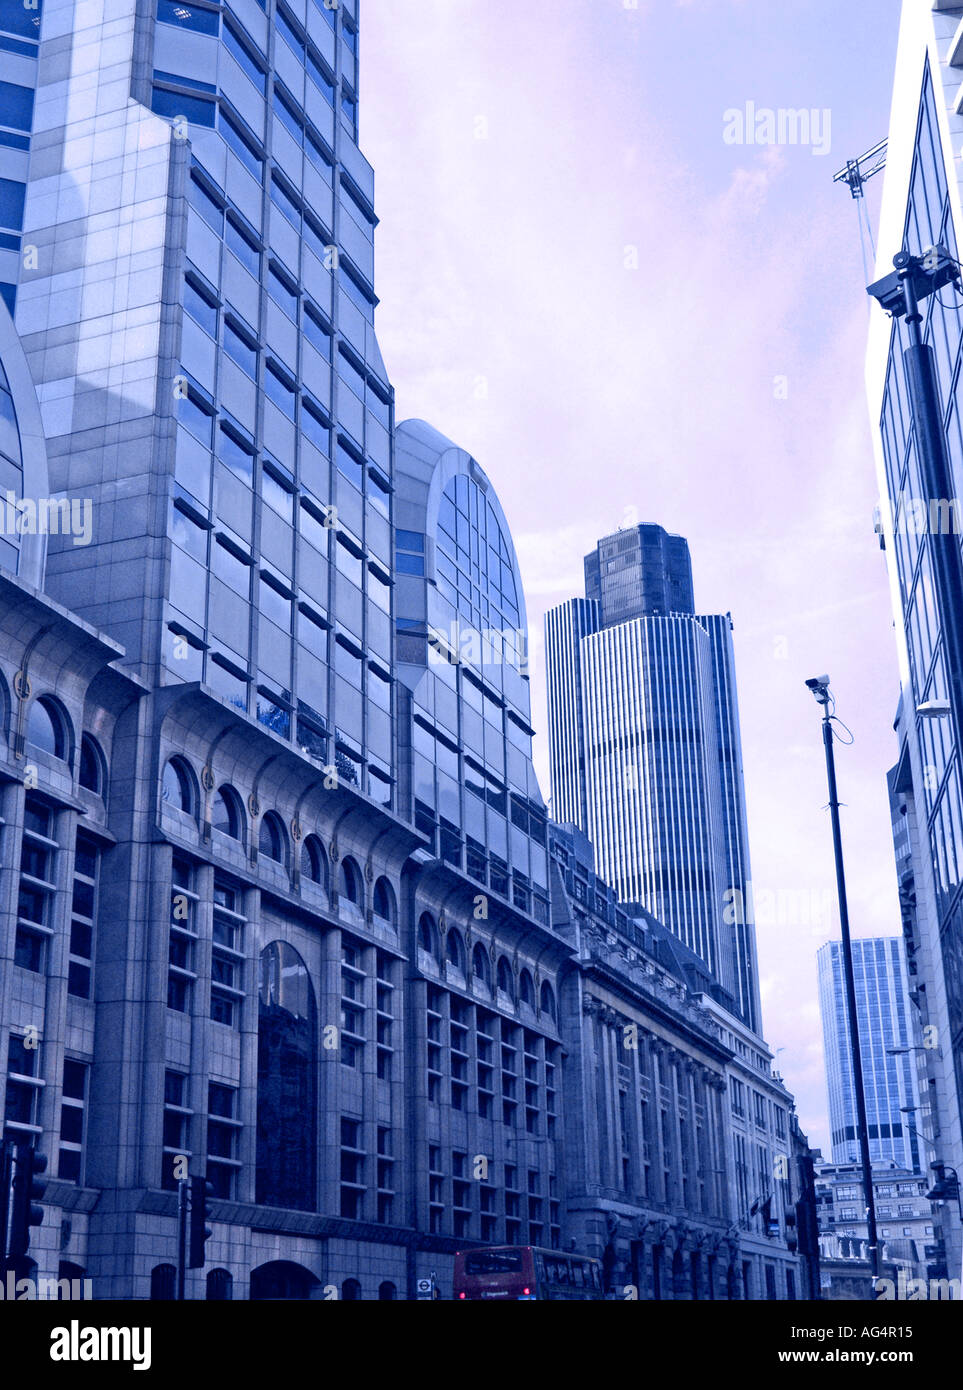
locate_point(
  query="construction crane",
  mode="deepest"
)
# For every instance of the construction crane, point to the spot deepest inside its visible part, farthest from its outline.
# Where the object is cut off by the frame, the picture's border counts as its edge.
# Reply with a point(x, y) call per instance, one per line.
point(857, 171)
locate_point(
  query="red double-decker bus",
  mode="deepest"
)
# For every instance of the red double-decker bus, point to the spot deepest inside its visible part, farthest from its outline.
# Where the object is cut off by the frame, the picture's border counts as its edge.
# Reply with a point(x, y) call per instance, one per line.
point(523, 1272)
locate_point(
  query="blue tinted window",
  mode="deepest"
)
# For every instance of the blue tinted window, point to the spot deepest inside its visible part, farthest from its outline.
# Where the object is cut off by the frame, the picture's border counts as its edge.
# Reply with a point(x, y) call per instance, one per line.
point(287, 31)
point(314, 427)
point(287, 116)
point(316, 333)
point(202, 201)
point(243, 247)
point(244, 58)
point(197, 420)
point(321, 80)
point(280, 392)
point(240, 349)
point(328, 10)
point(410, 540)
point(349, 466)
point(410, 564)
point(237, 457)
point(282, 199)
point(240, 145)
point(187, 16)
point(14, 142)
point(282, 293)
point(315, 152)
point(16, 19)
point(16, 105)
point(174, 104)
point(11, 203)
point(200, 309)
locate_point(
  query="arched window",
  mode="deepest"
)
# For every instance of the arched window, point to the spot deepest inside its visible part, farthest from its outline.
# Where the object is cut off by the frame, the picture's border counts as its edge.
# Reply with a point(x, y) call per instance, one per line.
point(350, 1291)
point(427, 934)
point(384, 900)
point(504, 978)
point(548, 999)
point(314, 862)
point(163, 1283)
point(226, 813)
point(287, 1063)
point(272, 841)
point(349, 881)
point(177, 786)
point(387, 1291)
point(526, 989)
point(220, 1285)
point(74, 1272)
point(91, 765)
point(455, 949)
point(45, 729)
point(479, 964)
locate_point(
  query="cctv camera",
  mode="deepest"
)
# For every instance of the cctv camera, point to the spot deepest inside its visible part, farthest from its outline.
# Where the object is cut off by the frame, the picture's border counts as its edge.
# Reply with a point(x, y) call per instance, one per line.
point(818, 682)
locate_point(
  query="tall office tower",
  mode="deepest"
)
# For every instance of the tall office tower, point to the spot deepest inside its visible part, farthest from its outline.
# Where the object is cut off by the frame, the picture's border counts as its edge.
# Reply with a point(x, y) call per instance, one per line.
point(267, 881)
point(921, 205)
point(645, 750)
point(886, 1039)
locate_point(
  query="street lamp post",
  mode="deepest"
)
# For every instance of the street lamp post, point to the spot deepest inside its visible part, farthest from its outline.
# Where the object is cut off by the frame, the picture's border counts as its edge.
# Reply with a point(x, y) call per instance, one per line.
point(819, 686)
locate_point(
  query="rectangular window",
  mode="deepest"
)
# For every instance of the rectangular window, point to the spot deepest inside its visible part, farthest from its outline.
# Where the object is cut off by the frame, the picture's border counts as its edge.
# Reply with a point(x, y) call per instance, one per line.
point(243, 244)
point(82, 915)
point(283, 200)
point(36, 889)
point(286, 113)
point(227, 958)
point(73, 1104)
point(279, 389)
point(242, 143)
point(241, 349)
point(197, 110)
point(223, 1139)
point(182, 937)
point(246, 60)
point(176, 1135)
point(316, 332)
point(200, 308)
point(282, 292)
point(184, 16)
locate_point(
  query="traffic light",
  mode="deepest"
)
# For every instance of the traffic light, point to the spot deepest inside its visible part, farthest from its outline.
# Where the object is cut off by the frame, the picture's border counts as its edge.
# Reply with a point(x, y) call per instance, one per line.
point(28, 1190)
point(200, 1232)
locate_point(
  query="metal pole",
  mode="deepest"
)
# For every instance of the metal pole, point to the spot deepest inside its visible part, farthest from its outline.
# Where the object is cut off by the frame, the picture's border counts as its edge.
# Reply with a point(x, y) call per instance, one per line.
point(851, 1002)
point(182, 1187)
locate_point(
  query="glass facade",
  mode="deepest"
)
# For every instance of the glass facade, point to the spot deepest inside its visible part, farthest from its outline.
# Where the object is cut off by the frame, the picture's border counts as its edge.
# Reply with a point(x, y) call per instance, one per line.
point(929, 220)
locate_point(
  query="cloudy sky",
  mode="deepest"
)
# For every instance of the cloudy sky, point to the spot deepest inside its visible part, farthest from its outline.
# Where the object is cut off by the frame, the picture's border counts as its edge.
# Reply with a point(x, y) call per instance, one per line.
point(627, 315)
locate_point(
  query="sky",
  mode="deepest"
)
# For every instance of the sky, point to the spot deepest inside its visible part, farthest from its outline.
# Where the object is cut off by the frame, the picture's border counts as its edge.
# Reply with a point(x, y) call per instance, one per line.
point(627, 314)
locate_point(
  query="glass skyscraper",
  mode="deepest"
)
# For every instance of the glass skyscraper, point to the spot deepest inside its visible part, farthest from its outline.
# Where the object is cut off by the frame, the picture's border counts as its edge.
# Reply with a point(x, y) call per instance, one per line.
point(885, 1024)
point(645, 748)
point(921, 207)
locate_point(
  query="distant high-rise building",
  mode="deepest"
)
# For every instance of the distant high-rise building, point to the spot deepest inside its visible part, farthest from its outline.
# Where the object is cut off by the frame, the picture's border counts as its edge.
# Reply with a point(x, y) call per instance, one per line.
point(885, 1042)
point(645, 749)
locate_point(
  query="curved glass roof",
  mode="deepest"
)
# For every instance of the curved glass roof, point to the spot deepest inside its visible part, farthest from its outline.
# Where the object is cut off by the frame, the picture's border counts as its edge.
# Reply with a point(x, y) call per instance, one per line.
point(474, 563)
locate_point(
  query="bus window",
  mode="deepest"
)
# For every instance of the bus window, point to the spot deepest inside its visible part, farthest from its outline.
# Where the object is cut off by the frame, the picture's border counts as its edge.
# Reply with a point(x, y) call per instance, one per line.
point(493, 1261)
point(578, 1274)
point(562, 1275)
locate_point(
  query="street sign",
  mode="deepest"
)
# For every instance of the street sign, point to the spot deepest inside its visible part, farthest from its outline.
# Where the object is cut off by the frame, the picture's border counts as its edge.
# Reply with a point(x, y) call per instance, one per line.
point(424, 1288)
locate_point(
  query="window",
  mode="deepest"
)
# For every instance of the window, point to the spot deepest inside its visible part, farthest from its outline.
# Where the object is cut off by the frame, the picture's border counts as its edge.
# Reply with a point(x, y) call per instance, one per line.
point(287, 1070)
point(285, 201)
point(227, 956)
point(163, 1283)
point(409, 552)
point(182, 937)
point(204, 202)
point(36, 892)
point(82, 916)
point(316, 332)
point(547, 999)
point(280, 389)
point(427, 936)
point(314, 861)
point(197, 110)
point(353, 1159)
point(225, 815)
point(271, 840)
point(91, 765)
point(200, 308)
point(455, 949)
point(220, 1284)
point(177, 1117)
point(245, 58)
point(177, 789)
point(242, 142)
point(243, 243)
point(384, 900)
point(241, 347)
point(186, 16)
point(23, 1088)
point(45, 729)
point(223, 1137)
point(349, 881)
point(74, 1099)
point(504, 978)
point(283, 294)
point(284, 109)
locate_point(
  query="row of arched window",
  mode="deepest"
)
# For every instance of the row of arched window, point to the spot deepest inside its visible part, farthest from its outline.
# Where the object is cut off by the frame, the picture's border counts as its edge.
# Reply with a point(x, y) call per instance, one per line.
point(481, 966)
point(179, 790)
point(49, 730)
point(277, 1280)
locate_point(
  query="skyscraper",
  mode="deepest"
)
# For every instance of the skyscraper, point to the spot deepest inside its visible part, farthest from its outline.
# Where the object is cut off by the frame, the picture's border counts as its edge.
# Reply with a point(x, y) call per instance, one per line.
point(645, 750)
point(889, 1076)
point(920, 207)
